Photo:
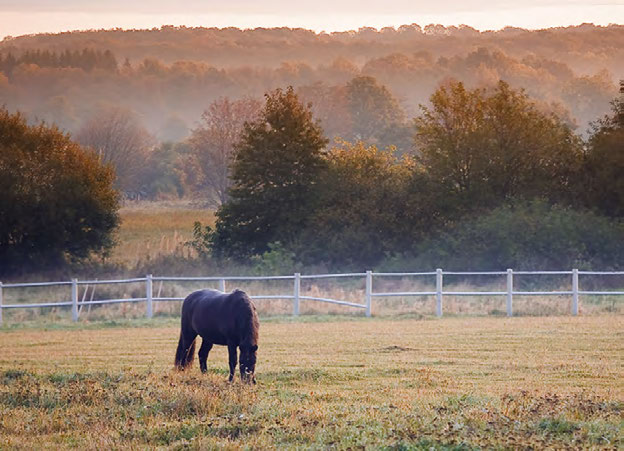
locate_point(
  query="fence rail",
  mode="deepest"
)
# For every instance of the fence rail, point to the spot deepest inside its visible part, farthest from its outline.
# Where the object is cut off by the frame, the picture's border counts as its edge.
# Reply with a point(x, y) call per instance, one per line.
point(296, 296)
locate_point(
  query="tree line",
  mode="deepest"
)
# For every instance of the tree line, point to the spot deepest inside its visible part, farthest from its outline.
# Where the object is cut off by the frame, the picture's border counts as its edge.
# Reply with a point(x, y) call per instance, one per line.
point(490, 179)
point(488, 167)
point(583, 48)
point(86, 59)
point(168, 76)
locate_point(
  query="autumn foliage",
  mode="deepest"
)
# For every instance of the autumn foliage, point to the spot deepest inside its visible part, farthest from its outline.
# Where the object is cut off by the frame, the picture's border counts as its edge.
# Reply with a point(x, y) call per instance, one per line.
point(175, 72)
point(488, 169)
point(57, 201)
point(384, 140)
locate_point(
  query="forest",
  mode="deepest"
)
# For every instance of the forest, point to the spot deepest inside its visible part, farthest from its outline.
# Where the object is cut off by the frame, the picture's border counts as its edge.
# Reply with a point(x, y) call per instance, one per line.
point(396, 148)
point(168, 76)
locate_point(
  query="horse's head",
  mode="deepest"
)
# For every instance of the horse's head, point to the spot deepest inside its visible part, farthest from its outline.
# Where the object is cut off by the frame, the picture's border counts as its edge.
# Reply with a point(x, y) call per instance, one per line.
point(248, 362)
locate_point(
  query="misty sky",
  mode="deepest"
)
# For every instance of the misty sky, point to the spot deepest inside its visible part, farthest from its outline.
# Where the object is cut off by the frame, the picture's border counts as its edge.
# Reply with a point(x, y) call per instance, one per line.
point(19, 17)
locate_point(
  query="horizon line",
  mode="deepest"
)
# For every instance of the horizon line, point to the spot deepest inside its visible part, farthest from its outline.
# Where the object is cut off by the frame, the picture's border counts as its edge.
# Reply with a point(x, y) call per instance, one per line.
point(9, 37)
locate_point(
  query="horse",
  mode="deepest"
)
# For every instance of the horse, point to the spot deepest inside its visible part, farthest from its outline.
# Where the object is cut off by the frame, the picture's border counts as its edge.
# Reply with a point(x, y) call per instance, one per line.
point(220, 319)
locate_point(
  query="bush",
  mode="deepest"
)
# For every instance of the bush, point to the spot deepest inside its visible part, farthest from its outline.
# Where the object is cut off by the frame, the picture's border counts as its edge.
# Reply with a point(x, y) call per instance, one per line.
point(531, 236)
point(276, 261)
point(57, 201)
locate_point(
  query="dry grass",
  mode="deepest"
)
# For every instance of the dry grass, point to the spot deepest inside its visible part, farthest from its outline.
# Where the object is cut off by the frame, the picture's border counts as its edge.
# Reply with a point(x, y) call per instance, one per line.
point(455, 383)
point(155, 229)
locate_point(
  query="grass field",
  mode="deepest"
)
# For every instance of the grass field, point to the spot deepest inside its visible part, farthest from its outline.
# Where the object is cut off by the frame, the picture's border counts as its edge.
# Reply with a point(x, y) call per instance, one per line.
point(454, 383)
point(150, 230)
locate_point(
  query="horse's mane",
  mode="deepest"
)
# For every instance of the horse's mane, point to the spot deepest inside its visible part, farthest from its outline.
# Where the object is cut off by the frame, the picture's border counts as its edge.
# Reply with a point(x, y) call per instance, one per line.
point(249, 317)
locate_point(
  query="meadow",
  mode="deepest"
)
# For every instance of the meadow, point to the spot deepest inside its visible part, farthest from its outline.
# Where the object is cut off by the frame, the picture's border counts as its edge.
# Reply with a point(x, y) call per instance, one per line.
point(150, 230)
point(329, 378)
point(451, 383)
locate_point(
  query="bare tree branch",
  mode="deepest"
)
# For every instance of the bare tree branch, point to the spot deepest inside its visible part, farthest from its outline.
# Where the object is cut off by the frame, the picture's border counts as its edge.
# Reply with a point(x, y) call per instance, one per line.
point(120, 139)
point(212, 145)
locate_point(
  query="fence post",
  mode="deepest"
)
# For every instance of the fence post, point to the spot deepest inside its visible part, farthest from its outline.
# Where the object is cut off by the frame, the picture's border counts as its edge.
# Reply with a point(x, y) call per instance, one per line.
point(369, 292)
point(575, 290)
point(148, 296)
point(0, 303)
point(438, 292)
point(297, 290)
point(74, 294)
point(509, 292)
point(222, 285)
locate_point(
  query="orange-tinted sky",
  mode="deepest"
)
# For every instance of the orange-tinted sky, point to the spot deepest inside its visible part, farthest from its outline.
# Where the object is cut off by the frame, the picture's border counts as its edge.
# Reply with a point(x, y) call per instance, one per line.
point(34, 16)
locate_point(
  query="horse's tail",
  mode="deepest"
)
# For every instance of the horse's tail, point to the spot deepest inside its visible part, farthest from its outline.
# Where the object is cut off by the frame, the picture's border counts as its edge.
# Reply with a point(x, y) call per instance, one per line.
point(184, 356)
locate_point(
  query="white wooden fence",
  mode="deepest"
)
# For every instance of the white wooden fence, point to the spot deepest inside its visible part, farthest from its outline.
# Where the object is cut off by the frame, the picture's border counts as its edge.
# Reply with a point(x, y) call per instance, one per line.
point(296, 297)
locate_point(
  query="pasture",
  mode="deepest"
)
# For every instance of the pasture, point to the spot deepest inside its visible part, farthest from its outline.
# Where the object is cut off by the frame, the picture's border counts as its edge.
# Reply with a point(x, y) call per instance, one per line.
point(150, 230)
point(451, 383)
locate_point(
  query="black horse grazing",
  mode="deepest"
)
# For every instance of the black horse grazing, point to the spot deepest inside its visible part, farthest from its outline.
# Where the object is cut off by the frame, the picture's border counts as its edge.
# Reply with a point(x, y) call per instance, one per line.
point(220, 319)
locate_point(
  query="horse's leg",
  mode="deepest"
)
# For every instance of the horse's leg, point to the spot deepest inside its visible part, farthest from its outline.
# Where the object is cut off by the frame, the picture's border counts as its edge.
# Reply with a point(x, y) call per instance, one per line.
point(233, 358)
point(206, 346)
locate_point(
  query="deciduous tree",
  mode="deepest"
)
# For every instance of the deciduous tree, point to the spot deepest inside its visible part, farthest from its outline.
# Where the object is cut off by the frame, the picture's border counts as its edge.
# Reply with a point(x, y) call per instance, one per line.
point(212, 146)
point(119, 139)
point(376, 115)
point(485, 146)
point(57, 200)
point(275, 169)
point(603, 171)
point(361, 215)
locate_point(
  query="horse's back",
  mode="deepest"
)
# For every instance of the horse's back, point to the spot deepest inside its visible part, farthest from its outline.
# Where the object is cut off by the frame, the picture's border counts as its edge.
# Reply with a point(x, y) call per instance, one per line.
point(211, 314)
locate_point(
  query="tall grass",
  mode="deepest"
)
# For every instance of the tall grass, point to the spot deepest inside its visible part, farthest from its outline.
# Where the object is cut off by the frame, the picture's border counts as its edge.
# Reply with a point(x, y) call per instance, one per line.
point(152, 230)
point(351, 290)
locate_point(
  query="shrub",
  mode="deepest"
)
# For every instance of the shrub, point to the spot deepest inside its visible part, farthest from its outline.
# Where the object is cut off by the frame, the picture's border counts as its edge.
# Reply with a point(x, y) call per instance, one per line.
point(529, 235)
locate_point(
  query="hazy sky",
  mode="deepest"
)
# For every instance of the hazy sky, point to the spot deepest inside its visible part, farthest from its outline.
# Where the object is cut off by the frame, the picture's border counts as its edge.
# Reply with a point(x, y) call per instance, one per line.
point(19, 17)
